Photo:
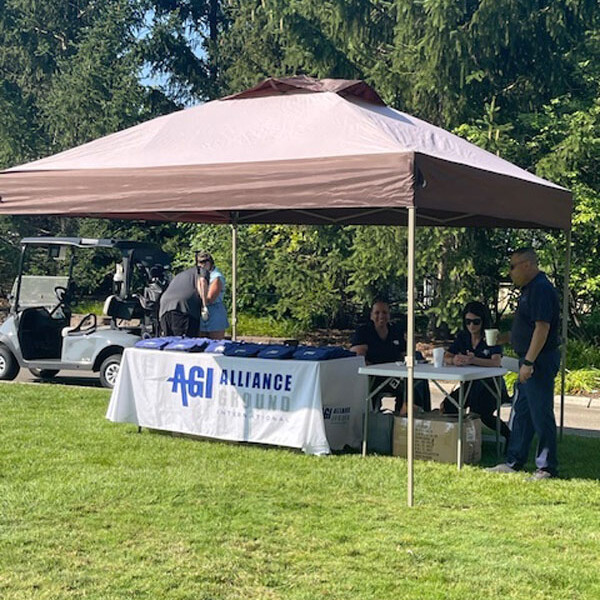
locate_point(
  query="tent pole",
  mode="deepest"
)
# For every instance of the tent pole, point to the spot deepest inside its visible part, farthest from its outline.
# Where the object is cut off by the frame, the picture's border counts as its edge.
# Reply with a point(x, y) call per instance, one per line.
point(565, 330)
point(410, 351)
point(234, 232)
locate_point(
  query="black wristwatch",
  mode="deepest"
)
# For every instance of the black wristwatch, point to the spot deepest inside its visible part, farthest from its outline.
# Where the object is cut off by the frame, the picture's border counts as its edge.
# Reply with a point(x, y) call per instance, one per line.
point(527, 363)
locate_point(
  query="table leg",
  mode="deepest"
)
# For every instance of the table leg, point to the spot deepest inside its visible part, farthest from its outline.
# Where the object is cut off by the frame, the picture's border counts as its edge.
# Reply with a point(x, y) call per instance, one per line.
point(365, 420)
point(370, 395)
point(497, 393)
point(498, 406)
point(461, 404)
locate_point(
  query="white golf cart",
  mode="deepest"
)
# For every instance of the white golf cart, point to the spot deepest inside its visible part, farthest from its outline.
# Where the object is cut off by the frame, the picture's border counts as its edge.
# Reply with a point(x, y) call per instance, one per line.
point(37, 333)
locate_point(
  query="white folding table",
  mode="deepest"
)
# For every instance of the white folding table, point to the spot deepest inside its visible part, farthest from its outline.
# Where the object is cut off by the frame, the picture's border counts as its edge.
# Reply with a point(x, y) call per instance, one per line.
point(460, 375)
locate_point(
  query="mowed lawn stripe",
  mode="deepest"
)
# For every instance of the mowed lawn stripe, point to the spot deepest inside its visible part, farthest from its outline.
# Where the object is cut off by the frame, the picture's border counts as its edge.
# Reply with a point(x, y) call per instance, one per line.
point(92, 509)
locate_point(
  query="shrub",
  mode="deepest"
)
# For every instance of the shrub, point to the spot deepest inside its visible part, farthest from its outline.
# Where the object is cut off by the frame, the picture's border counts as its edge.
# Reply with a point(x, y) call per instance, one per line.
point(577, 381)
point(267, 326)
point(582, 354)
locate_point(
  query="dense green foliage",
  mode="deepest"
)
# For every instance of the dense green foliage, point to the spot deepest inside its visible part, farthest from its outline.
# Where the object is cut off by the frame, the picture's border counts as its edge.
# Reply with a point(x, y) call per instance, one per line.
point(92, 509)
point(521, 79)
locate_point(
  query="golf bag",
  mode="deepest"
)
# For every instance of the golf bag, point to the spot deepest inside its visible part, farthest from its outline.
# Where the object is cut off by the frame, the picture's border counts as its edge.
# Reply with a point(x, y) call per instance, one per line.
point(150, 301)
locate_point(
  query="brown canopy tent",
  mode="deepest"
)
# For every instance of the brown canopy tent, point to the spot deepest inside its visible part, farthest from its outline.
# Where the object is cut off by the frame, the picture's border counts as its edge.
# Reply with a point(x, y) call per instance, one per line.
point(295, 150)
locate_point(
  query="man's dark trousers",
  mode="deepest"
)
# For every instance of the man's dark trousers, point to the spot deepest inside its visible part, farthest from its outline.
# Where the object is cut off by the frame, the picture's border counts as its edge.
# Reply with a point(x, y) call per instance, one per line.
point(533, 412)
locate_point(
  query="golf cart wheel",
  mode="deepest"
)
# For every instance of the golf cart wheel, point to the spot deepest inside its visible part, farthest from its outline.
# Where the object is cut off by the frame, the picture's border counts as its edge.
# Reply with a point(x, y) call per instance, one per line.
point(9, 367)
point(44, 373)
point(109, 369)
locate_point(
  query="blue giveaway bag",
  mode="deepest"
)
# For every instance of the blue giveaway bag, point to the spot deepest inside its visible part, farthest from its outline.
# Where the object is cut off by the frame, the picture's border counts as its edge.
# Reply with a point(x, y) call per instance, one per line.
point(321, 353)
point(158, 343)
point(188, 345)
point(242, 349)
point(217, 346)
point(278, 351)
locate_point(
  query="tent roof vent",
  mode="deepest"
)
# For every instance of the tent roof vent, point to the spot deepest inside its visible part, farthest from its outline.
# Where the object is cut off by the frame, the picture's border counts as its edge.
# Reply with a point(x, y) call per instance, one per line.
point(347, 88)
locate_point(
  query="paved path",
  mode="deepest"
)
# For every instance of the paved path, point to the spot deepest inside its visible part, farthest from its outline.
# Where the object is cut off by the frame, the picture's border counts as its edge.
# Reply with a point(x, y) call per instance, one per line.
point(82, 378)
point(581, 416)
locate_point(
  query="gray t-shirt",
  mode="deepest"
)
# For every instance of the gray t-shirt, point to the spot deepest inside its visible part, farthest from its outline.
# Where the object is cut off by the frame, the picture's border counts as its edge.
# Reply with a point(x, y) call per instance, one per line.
point(182, 295)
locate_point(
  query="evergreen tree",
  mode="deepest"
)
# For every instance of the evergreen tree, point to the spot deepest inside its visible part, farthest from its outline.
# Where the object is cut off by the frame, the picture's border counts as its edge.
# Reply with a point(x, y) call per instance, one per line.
point(181, 47)
point(69, 73)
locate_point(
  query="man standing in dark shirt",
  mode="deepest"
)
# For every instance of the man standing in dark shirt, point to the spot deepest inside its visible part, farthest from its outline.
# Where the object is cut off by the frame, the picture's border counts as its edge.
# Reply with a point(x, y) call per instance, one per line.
point(535, 339)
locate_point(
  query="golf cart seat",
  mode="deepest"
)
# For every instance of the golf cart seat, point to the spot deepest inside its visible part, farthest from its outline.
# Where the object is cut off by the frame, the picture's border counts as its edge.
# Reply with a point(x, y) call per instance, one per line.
point(124, 309)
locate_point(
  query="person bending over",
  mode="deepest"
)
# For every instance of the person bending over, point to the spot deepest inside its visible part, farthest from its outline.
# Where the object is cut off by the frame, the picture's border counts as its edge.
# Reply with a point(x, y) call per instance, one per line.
point(381, 341)
point(470, 348)
point(181, 305)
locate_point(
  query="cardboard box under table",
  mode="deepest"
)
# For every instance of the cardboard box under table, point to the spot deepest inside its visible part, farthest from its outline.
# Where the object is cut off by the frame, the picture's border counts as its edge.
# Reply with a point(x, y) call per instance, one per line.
point(436, 437)
point(450, 374)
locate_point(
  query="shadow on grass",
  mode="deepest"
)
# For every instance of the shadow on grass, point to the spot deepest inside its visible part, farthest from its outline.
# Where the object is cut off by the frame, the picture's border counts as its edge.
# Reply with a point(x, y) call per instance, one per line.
point(578, 457)
point(70, 381)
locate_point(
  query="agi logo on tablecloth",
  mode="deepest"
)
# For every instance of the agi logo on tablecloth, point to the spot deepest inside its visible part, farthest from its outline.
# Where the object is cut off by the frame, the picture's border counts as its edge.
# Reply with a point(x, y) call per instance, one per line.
point(197, 383)
point(338, 415)
point(237, 386)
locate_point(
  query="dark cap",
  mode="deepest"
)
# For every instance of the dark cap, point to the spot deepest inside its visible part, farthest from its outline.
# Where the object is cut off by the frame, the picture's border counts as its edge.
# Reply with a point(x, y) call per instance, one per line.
point(202, 255)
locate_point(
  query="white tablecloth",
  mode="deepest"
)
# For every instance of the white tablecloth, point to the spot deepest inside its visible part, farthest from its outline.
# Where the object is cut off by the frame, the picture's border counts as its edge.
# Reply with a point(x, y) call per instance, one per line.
point(315, 406)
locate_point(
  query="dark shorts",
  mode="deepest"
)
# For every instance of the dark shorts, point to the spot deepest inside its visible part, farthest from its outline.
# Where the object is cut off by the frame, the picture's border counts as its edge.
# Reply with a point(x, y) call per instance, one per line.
point(178, 323)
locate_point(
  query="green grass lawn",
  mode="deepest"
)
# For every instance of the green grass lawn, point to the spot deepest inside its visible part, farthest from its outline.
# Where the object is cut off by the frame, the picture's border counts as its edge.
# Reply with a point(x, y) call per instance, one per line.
point(91, 509)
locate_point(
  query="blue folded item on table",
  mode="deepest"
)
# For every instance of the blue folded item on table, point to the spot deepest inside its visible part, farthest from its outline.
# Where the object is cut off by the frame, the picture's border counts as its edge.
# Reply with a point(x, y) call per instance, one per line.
point(242, 349)
point(188, 345)
point(321, 353)
point(158, 343)
point(217, 346)
point(278, 351)
point(345, 353)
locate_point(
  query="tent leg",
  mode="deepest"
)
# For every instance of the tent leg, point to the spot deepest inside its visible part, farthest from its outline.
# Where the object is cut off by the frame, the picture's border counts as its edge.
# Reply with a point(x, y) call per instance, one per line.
point(410, 352)
point(565, 331)
point(234, 232)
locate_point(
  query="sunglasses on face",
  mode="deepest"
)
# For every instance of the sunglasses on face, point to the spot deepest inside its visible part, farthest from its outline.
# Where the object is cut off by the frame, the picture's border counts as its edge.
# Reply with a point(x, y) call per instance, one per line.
point(472, 321)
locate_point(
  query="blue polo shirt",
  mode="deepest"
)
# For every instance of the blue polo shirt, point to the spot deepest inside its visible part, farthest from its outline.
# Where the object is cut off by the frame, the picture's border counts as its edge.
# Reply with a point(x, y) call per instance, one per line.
point(463, 344)
point(538, 302)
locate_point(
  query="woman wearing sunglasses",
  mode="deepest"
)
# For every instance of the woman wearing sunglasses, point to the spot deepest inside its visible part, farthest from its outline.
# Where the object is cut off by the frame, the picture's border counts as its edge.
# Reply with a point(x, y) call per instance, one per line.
point(470, 348)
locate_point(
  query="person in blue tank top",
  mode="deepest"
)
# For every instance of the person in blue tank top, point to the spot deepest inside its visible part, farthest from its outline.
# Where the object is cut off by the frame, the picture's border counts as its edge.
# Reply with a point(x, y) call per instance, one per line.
point(214, 314)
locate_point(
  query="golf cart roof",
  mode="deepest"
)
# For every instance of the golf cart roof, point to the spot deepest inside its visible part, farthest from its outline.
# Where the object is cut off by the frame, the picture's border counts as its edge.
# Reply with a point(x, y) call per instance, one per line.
point(143, 252)
point(83, 242)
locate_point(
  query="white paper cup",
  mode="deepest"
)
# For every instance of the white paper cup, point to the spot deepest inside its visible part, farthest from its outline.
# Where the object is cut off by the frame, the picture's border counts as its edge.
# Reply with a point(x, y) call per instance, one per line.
point(491, 336)
point(438, 357)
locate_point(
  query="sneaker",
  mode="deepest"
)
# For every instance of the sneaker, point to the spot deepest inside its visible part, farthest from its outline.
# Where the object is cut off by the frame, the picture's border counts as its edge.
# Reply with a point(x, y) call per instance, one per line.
point(539, 475)
point(204, 313)
point(501, 468)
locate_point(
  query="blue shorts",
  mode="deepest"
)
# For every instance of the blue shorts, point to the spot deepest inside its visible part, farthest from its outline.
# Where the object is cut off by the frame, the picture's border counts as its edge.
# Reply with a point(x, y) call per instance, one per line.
point(217, 319)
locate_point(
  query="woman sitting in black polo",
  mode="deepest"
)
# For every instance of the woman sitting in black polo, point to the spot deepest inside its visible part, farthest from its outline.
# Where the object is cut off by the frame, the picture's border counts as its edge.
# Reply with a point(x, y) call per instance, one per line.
point(381, 341)
point(470, 348)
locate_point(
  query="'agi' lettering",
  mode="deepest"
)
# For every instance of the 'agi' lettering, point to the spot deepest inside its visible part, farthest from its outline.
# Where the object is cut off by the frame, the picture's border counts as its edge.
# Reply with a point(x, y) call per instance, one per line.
point(198, 383)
